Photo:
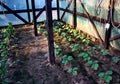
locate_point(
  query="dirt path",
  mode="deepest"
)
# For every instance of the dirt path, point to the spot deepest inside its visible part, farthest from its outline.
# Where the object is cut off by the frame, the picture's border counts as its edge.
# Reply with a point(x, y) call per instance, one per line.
point(33, 66)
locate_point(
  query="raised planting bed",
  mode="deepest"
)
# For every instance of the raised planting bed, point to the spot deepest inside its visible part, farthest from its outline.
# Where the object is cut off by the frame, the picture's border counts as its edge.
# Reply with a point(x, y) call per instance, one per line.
point(76, 53)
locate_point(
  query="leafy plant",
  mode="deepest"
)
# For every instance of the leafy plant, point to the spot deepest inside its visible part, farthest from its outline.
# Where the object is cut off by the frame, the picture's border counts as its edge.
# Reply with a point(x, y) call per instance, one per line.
point(106, 76)
point(105, 52)
point(85, 55)
point(58, 50)
point(76, 47)
point(4, 46)
point(96, 47)
point(94, 64)
point(66, 59)
point(86, 40)
point(115, 59)
point(73, 71)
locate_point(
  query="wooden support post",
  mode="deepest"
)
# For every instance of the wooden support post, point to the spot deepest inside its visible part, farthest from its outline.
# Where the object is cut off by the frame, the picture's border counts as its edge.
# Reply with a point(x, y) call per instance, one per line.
point(108, 25)
point(27, 4)
point(34, 17)
point(50, 31)
point(74, 14)
point(58, 10)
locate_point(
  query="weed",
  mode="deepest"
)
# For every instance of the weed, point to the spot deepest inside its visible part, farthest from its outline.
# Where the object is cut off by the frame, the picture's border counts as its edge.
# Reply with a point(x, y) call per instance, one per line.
point(115, 59)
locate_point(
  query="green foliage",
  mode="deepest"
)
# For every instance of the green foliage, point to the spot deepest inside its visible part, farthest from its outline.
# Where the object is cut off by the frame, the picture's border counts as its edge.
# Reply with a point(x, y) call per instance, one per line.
point(106, 76)
point(4, 47)
point(76, 47)
point(115, 59)
point(73, 71)
point(85, 55)
point(86, 40)
point(96, 47)
point(94, 64)
point(105, 52)
point(58, 50)
point(66, 59)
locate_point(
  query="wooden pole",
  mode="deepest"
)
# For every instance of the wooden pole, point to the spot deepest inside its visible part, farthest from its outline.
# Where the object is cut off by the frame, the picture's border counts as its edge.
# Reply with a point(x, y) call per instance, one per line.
point(27, 4)
point(108, 25)
point(58, 10)
point(74, 14)
point(50, 31)
point(34, 18)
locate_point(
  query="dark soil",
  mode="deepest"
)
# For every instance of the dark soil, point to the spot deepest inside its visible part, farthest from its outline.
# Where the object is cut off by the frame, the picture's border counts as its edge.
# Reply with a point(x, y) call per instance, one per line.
point(29, 63)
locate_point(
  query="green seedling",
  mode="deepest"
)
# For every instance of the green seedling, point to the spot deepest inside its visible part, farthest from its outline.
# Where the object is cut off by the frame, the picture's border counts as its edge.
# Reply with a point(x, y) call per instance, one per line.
point(105, 52)
point(94, 64)
point(73, 71)
point(106, 76)
point(85, 56)
point(86, 40)
point(96, 47)
point(115, 59)
point(66, 59)
point(76, 47)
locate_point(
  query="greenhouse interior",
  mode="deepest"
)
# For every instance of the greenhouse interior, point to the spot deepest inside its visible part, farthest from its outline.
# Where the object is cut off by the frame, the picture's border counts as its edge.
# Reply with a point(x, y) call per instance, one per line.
point(60, 42)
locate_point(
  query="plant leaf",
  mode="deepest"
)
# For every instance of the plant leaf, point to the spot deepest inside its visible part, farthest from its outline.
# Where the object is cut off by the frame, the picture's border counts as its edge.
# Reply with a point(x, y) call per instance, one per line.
point(101, 75)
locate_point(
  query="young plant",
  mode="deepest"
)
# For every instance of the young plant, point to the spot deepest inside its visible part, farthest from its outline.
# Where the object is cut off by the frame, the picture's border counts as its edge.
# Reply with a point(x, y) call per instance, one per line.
point(105, 52)
point(66, 59)
point(58, 50)
point(96, 47)
point(94, 64)
point(106, 76)
point(73, 71)
point(86, 40)
point(85, 56)
point(115, 59)
point(76, 47)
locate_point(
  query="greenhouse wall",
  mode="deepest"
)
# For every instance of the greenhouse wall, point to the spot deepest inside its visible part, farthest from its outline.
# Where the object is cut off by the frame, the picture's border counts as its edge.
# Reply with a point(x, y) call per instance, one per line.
point(21, 5)
point(98, 8)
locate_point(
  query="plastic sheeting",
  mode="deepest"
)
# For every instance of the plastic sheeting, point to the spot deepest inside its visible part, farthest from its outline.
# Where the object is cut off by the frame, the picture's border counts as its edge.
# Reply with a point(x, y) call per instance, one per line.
point(98, 8)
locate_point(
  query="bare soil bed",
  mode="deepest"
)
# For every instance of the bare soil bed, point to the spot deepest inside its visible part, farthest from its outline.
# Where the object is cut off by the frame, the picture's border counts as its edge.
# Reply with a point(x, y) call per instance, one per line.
point(29, 63)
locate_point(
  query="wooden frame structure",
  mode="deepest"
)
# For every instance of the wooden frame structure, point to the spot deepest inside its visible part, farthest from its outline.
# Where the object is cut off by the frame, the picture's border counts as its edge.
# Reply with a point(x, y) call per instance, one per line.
point(49, 9)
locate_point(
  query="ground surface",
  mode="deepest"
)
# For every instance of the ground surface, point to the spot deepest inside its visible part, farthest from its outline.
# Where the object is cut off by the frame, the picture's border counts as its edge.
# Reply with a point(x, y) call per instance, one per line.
point(33, 66)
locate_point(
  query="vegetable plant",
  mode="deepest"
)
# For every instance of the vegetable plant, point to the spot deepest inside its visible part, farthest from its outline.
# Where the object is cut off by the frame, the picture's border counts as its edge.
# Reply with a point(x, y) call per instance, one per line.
point(94, 64)
point(106, 76)
point(73, 71)
point(105, 52)
point(66, 59)
point(58, 50)
point(4, 47)
point(96, 47)
point(76, 47)
point(85, 55)
point(115, 59)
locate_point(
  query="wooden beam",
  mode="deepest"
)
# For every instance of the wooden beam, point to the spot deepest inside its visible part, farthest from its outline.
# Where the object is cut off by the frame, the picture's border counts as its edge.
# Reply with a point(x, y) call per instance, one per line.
point(50, 30)
point(115, 38)
point(66, 8)
point(94, 27)
point(34, 18)
point(43, 9)
point(10, 10)
point(92, 17)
